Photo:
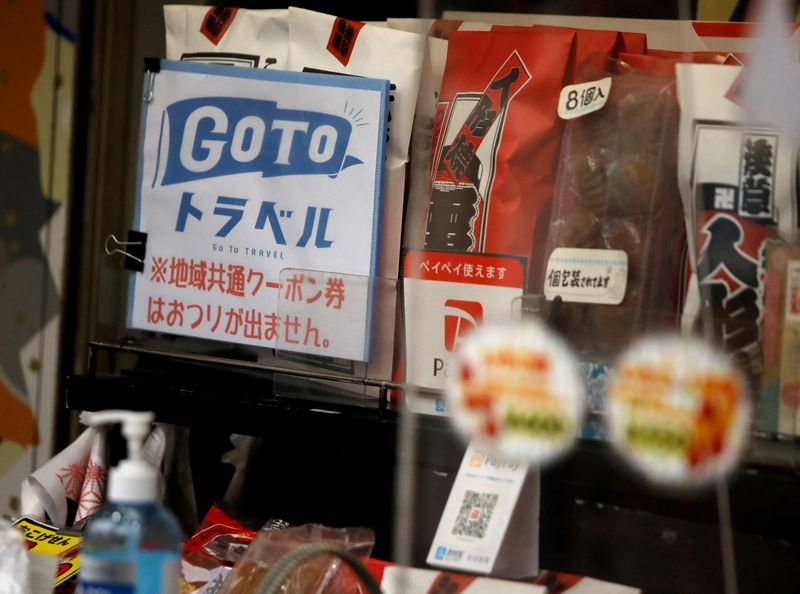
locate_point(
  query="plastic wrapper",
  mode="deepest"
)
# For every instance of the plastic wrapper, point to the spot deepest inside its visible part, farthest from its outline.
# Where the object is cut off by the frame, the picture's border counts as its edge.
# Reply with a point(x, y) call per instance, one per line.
point(14, 576)
point(617, 190)
point(587, 42)
point(779, 409)
point(323, 575)
point(663, 63)
point(232, 36)
point(704, 57)
point(216, 546)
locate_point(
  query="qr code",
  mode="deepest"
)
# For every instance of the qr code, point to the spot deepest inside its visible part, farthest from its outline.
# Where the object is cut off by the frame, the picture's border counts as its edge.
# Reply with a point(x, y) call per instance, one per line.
point(475, 513)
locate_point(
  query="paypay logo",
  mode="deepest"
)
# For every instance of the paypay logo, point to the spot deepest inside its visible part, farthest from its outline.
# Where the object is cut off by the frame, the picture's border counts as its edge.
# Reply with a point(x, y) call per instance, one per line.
point(461, 318)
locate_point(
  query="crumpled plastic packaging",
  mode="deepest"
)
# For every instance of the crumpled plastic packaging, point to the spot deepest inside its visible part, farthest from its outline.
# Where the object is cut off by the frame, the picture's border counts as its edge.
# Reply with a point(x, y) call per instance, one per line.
point(14, 576)
point(323, 575)
point(216, 546)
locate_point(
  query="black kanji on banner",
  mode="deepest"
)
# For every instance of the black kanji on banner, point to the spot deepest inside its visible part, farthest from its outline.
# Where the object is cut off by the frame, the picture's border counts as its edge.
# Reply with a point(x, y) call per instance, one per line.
point(758, 155)
point(343, 39)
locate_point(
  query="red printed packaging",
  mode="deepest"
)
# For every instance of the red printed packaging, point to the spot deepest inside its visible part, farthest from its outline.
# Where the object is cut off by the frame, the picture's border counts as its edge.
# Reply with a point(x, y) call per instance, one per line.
point(738, 183)
point(220, 538)
point(217, 546)
point(632, 43)
point(496, 139)
point(587, 42)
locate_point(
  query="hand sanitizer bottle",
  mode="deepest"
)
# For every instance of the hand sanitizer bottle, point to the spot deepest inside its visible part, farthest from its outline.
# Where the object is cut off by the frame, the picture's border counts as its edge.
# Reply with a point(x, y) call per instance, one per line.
point(132, 544)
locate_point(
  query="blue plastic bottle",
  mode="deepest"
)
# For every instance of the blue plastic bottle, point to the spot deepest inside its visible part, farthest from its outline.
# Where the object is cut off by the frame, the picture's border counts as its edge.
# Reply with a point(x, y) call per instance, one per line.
point(132, 545)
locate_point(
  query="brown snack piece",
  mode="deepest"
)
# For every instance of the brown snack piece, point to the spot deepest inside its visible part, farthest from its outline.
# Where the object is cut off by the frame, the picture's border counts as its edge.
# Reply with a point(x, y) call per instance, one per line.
point(643, 114)
point(588, 183)
point(632, 187)
point(580, 229)
point(617, 190)
point(599, 130)
point(625, 235)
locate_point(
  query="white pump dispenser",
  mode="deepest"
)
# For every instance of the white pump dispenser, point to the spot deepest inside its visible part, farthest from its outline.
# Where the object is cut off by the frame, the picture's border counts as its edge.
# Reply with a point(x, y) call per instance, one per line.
point(132, 543)
point(133, 480)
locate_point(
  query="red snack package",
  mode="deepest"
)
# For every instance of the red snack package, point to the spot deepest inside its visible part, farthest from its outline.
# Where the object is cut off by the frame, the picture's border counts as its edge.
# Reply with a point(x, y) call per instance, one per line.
point(699, 57)
point(217, 545)
point(632, 43)
point(587, 42)
point(220, 537)
point(739, 185)
point(496, 139)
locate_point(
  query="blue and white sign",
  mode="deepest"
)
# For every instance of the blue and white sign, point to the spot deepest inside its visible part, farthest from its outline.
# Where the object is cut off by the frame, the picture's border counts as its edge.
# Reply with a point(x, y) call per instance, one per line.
point(244, 173)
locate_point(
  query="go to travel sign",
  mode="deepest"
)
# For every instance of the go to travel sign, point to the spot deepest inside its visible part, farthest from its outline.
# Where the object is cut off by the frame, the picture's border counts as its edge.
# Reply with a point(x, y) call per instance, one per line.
point(244, 173)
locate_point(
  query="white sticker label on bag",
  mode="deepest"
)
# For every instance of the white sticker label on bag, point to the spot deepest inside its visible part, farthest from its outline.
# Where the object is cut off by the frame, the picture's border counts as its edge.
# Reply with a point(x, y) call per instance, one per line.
point(587, 276)
point(793, 291)
point(578, 100)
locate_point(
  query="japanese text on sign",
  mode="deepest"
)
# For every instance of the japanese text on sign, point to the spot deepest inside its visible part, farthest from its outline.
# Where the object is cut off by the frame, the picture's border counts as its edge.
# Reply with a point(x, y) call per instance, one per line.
point(463, 269)
point(584, 98)
point(244, 174)
point(200, 277)
point(307, 300)
point(230, 212)
point(587, 276)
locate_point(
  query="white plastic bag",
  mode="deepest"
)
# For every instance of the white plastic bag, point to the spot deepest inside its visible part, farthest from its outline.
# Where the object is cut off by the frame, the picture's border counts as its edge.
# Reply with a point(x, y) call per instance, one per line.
point(421, 150)
point(238, 37)
point(324, 43)
point(14, 577)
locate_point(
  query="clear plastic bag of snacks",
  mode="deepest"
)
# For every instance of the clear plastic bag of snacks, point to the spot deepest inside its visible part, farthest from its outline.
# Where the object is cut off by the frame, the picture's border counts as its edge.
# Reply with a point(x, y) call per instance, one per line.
point(323, 575)
point(617, 195)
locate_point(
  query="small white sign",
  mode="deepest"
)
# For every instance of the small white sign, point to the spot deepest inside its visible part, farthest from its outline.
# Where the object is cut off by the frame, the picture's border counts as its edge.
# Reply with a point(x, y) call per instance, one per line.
point(477, 513)
point(447, 296)
point(584, 98)
point(793, 291)
point(587, 276)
